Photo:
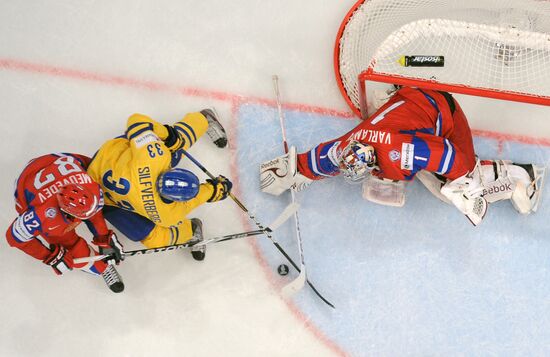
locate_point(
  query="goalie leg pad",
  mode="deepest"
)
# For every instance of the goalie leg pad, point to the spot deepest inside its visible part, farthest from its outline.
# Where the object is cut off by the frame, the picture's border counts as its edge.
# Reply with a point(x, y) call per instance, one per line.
point(433, 184)
point(497, 183)
point(494, 181)
point(477, 211)
point(526, 197)
point(473, 207)
point(521, 183)
point(465, 193)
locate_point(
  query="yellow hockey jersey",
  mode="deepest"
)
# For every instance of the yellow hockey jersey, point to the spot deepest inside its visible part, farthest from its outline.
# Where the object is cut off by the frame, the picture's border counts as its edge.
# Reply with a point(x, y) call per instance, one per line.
point(127, 169)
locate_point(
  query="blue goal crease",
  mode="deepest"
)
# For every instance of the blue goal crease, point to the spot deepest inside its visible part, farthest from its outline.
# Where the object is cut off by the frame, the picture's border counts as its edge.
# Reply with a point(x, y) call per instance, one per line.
point(398, 275)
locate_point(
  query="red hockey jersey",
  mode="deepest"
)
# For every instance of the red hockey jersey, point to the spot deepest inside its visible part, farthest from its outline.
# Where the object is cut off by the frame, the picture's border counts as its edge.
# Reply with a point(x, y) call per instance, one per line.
point(415, 130)
point(40, 222)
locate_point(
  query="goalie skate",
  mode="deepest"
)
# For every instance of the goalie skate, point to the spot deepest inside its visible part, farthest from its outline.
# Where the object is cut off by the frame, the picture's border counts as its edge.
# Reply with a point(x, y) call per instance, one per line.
point(215, 130)
point(527, 200)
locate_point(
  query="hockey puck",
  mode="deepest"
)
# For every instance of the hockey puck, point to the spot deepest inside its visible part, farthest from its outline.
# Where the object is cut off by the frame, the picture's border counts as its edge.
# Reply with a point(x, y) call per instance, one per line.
point(282, 269)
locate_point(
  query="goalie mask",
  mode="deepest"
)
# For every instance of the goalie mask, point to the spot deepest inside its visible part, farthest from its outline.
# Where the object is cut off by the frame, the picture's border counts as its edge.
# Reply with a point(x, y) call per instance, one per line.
point(356, 161)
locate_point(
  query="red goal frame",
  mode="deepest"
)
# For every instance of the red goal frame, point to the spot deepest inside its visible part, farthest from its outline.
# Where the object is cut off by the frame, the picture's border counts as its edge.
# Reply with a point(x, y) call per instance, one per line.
point(371, 75)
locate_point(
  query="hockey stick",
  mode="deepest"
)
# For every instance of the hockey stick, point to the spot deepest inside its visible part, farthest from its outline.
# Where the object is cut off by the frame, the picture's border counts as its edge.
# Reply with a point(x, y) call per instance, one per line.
point(285, 215)
point(167, 248)
point(260, 226)
point(298, 283)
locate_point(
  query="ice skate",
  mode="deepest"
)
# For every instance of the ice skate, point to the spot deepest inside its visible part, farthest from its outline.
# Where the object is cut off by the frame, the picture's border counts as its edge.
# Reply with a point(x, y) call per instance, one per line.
point(215, 130)
point(112, 279)
point(198, 252)
point(534, 190)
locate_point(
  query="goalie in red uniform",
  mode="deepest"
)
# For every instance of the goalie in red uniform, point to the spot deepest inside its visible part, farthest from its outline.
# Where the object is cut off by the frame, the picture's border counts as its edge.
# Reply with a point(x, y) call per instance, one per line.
point(54, 194)
point(417, 133)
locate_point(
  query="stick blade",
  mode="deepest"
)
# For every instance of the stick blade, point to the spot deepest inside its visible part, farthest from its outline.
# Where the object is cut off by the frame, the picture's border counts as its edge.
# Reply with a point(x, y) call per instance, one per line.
point(295, 285)
point(284, 216)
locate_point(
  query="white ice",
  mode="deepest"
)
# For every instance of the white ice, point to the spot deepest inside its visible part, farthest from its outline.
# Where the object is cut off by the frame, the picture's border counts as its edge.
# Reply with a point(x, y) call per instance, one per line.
point(418, 281)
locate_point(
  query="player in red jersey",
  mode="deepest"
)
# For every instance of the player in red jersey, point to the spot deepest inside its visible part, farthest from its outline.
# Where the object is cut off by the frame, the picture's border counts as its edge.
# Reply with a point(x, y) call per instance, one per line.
point(54, 194)
point(420, 133)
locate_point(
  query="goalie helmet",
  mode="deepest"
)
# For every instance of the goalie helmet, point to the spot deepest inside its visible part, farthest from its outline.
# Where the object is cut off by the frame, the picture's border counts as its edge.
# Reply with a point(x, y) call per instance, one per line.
point(356, 161)
point(80, 201)
point(178, 185)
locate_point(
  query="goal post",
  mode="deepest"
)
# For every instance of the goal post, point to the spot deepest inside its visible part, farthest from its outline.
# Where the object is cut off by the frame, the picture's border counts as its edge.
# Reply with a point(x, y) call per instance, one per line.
point(489, 48)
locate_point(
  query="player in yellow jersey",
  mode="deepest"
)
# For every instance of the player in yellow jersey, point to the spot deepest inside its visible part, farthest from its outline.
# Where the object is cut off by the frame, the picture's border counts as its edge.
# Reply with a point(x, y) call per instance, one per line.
point(146, 197)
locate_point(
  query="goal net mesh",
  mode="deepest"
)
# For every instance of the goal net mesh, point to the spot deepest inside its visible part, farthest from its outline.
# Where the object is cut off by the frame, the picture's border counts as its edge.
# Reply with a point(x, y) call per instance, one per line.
point(489, 45)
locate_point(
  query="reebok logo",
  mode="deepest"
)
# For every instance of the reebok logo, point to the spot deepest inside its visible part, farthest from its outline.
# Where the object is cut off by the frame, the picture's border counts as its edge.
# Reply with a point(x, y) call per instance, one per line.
point(497, 189)
point(269, 163)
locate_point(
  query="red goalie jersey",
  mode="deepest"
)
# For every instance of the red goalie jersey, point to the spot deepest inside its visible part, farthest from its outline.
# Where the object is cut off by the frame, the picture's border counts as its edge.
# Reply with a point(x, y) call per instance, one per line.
point(42, 230)
point(415, 130)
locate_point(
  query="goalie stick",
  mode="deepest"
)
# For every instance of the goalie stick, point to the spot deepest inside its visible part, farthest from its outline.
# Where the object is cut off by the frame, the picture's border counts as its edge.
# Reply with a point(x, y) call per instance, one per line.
point(298, 283)
point(259, 225)
point(285, 215)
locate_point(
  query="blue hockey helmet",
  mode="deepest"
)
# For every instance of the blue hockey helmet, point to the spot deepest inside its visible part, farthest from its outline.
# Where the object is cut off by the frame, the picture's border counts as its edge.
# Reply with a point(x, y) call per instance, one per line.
point(178, 185)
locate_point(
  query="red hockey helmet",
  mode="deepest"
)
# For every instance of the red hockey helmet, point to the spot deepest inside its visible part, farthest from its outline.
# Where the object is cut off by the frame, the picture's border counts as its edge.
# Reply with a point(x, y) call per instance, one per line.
point(80, 201)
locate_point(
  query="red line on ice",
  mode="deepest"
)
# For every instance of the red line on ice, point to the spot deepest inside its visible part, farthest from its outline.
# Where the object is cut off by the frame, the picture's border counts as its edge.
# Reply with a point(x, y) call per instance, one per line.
point(114, 80)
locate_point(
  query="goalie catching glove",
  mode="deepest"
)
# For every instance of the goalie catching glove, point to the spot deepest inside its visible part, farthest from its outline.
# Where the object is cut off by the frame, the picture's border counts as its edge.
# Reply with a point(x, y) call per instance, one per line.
point(281, 174)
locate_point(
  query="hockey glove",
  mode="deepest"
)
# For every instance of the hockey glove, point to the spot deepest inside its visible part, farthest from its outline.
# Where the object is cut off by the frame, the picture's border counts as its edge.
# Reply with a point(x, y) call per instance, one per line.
point(222, 188)
point(109, 245)
point(174, 140)
point(60, 259)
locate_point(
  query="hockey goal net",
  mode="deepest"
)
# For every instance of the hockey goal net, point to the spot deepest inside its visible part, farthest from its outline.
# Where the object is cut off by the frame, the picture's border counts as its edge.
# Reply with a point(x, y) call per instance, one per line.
point(490, 48)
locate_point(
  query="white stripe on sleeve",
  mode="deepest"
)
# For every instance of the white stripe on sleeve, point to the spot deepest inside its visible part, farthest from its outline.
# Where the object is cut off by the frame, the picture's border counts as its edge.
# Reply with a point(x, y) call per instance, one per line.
point(20, 232)
point(447, 161)
point(313, 160)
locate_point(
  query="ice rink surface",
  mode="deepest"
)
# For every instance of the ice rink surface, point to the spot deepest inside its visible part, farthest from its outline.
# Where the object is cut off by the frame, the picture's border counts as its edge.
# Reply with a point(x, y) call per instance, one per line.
point(414, 281)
